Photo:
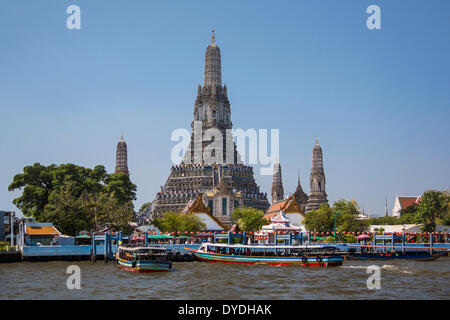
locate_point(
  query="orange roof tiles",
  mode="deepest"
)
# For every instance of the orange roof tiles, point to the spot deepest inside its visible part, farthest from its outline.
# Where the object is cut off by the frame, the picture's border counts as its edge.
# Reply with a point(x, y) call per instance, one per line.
point(287, 205)
point(406, 202)
point(197, 206)
point(41, 230)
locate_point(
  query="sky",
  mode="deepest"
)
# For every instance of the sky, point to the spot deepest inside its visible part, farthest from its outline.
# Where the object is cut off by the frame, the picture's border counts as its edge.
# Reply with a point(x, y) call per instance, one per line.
point(377, 100)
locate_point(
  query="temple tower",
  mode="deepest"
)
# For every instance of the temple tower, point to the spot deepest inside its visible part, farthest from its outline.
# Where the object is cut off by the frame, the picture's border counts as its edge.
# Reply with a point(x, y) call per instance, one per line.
point(300, 196)
point(277, 183)
point(216, 174)
point(212, 114)
point(121, 157)
point(317, 196)
point(213, 64)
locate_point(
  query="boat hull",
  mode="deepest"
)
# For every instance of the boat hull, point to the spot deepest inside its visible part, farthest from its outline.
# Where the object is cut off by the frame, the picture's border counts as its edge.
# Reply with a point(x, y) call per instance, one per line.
point(312, 261)
point(415, 257)
point(145, 266)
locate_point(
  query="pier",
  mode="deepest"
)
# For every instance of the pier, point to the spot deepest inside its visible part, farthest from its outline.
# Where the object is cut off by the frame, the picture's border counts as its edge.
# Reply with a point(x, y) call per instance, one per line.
point(104, 247)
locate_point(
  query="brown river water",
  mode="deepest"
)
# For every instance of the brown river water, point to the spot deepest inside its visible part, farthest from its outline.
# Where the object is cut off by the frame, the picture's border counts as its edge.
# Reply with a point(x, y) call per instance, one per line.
point(199, 280)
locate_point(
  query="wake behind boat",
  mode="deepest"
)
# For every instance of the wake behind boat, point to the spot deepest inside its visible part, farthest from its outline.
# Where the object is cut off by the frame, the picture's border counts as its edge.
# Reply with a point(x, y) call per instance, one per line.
point(143, 259)
point(278, 255)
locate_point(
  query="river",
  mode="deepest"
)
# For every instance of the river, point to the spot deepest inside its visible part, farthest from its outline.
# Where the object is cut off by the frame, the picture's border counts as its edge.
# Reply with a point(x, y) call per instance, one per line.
point(199, 280)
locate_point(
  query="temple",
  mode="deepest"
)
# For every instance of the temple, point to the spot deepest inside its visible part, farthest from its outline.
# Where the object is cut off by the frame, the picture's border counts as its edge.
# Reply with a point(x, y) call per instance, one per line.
point(300, 196)
point(211, 166)
point(277, 183)
point(121, 157)
point(317, 196)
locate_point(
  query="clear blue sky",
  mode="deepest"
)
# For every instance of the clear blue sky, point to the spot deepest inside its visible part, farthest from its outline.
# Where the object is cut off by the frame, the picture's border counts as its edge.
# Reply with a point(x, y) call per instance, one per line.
point(378, 100)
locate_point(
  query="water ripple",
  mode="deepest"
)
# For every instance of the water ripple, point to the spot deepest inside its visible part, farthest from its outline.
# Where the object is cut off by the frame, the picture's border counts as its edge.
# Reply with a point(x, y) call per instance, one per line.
point(195, 280)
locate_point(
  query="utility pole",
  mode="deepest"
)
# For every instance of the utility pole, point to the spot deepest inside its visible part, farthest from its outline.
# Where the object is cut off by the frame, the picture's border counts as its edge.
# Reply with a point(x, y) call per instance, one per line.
point(11, 214)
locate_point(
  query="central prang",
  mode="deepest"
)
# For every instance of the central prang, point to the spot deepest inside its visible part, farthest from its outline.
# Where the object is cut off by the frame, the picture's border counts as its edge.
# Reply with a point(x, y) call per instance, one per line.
point(222, 185)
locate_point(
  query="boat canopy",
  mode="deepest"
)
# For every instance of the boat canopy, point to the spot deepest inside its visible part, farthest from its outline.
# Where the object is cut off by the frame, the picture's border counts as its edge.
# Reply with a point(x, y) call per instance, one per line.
point(83, 236)
point(265, 246)
point(184, 237)
point(160, 236)
point(141, 248)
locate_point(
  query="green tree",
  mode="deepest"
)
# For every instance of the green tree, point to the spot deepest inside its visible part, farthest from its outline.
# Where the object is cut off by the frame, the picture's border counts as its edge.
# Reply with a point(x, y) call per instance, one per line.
point(173, 222)
point(249, 219)
point(410, 215)
point(74, 198)
point(119, 184)
point(384, 220)
point(433, 205)
point(320, 220)
point(67, 211)
point(36, 183)
point(349, 238)
point(114, 214)
point(348, 219)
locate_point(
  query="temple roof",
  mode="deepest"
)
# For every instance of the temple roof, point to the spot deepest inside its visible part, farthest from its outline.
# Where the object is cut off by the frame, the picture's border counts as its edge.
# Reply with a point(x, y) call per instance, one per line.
point(197, 206)
point(280, 218)
point(288, 205)
point(406, 202)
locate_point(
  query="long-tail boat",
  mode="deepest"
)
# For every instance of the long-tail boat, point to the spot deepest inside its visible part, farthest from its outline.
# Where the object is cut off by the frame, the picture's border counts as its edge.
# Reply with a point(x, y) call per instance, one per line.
point(143, 259)
point(393, 253)
point(277, 255)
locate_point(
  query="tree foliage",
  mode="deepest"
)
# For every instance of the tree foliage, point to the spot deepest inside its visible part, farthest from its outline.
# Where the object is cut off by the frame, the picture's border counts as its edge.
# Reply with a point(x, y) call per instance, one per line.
point(322, 219)
point(410, 215)
point(348, 238)
point(389, 220)
point(433, 206)
point(75, 198)
point(347, 217)
point(249, 219)
point(173, 222)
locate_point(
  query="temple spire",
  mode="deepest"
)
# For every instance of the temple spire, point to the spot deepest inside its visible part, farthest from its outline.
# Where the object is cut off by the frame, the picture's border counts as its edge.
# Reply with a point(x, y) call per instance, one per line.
point(300, 196)
point(318, 195)
point(213, 66)
point(121, 156)
point(277, 183)
point(386, 208)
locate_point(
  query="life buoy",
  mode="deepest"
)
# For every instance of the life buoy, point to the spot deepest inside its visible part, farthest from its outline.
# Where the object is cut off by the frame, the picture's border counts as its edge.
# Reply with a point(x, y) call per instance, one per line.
point(319, 259)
